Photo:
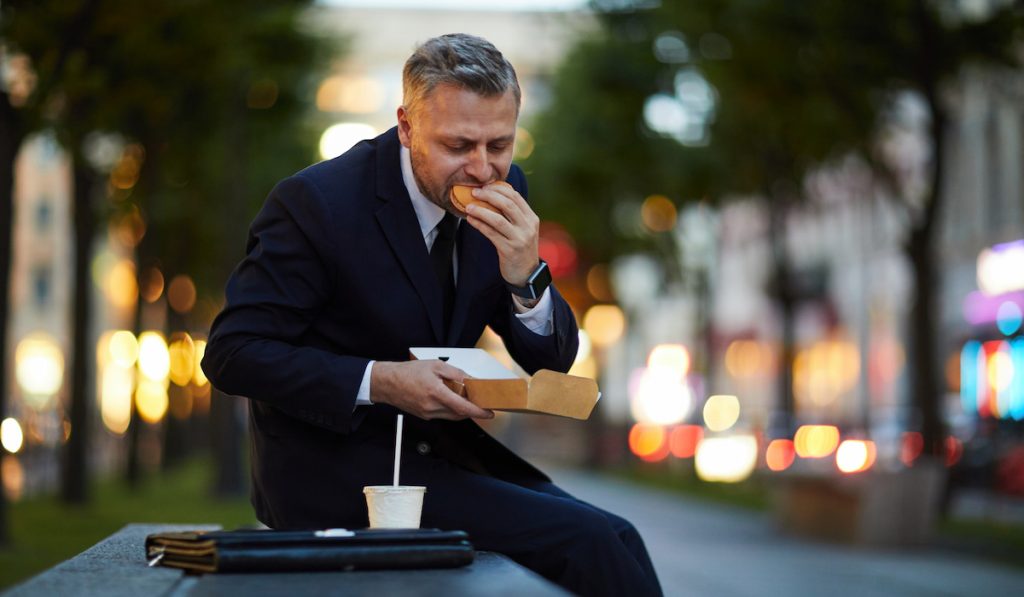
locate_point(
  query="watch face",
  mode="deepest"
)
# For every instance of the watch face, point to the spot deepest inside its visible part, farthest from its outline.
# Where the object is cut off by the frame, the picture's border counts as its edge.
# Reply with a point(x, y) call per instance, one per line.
point(540, 280)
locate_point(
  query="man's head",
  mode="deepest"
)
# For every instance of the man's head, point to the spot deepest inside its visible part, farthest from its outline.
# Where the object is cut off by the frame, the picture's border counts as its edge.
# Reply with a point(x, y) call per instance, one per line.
point(461, 103)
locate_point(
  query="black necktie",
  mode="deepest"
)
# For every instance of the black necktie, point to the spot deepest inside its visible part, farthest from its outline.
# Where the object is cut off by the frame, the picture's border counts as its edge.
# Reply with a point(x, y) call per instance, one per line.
point(441, 257)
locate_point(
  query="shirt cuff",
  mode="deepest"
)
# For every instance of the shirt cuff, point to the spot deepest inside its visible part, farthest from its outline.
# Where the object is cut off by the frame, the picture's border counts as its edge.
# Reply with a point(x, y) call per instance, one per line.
point(539, 319)
point(363, 397)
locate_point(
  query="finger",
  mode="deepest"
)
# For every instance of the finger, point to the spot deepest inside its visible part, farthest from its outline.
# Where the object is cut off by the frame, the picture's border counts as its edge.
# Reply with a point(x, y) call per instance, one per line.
point(496, 197)
point(465, 408)
point(451, 372)
point(498, 239)
point(513, 195)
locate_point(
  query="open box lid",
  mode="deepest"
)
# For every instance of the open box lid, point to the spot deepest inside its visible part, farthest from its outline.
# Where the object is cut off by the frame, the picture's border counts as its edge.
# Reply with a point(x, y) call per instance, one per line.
point(493, 386)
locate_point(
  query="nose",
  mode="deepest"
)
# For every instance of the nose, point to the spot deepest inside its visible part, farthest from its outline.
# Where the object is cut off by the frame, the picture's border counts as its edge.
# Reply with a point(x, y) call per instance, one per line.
point(477, 165)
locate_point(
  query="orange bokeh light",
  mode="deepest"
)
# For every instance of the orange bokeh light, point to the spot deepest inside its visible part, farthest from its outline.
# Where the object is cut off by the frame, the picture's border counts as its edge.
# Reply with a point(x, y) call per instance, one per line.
point(648, 443)
point(683, 440)
point(780, 454)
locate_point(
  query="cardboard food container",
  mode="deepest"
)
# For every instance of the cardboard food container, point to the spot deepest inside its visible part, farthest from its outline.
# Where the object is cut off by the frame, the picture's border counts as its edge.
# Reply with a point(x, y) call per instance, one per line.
point(493, 386)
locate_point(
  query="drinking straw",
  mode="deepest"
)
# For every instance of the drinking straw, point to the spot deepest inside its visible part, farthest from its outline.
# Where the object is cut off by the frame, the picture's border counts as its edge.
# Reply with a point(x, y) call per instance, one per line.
point(398, 448)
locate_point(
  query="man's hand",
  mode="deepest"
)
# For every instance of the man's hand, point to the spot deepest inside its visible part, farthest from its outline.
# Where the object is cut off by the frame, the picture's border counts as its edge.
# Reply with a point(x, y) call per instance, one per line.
point(514, 230)
point(417, 387)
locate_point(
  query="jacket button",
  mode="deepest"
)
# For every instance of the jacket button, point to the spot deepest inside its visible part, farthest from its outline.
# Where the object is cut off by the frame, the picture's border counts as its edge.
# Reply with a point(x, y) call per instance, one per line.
point(423, 448)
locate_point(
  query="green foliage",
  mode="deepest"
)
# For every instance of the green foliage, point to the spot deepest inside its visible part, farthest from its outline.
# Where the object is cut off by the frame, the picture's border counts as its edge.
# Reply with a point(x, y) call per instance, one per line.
point(797, 85)
point(45, 531)
point(217, 92)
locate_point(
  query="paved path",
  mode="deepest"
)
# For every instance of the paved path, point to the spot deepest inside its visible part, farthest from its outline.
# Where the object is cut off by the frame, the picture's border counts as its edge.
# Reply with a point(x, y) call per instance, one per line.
point(704, 549)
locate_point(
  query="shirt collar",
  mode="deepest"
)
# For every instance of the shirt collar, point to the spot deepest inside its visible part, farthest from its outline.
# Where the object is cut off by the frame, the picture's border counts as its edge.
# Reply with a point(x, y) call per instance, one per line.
point(427, 212)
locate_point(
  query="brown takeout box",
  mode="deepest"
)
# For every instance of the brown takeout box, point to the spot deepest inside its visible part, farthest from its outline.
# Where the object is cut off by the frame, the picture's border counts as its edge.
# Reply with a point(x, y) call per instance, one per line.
point(493, 386)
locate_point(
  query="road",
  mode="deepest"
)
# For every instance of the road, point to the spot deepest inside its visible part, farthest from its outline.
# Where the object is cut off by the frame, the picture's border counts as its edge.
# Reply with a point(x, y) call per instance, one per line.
point(701, 549)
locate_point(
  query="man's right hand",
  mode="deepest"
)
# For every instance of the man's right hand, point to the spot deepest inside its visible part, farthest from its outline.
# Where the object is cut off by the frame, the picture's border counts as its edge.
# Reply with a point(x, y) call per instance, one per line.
point(417, 387)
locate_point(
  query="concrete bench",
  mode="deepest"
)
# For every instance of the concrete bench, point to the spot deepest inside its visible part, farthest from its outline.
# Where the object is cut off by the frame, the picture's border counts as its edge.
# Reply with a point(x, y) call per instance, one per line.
point(116, 566)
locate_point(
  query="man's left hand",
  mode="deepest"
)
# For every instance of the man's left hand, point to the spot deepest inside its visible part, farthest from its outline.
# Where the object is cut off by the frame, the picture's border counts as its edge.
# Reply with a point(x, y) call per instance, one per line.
point(514, 230)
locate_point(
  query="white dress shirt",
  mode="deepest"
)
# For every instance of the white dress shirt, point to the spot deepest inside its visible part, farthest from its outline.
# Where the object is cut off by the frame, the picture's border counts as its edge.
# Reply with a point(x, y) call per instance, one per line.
point(538, 319)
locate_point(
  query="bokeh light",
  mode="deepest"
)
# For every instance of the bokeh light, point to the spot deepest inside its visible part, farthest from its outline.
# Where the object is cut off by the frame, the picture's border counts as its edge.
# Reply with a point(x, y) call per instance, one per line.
point(11, 436)
point(824, 371)
point(39, 368)
point(524, 144)
point(14, 477)
point(198, 375)
point(684, 439)
point(339, 138)
point(726, 459)
point(648, 442)
point(353, 94)
point(661, 397)
point(181, 293)
point(721, 412)
point(584, 365)
point(151, 400)
point(911, 446)
point(182, 359)
point(1001, 268)
point(1009, 318)
point(121, 286)
point(954, 450)
point(658, 213)
point(599, 283)
point(855, 455)
point(670, 357)
point(154, 358)
point(152, 284)
point(558, 248)
point(816, 441)
point(605, 324)
point(744, 358)
point(780, 454)
point(123, 348)
point(116, 385)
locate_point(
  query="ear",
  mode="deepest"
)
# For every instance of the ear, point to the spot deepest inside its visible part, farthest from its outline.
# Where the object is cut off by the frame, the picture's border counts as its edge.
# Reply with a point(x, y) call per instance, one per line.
point(404, 127)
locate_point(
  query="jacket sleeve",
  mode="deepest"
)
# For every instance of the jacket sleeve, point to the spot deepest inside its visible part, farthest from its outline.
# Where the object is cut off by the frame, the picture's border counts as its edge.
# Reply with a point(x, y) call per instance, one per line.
point(533, 351)
point(272, 299)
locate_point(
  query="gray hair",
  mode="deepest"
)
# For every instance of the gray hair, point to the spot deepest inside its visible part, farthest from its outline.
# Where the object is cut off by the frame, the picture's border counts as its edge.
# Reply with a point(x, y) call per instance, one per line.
point(458, 59)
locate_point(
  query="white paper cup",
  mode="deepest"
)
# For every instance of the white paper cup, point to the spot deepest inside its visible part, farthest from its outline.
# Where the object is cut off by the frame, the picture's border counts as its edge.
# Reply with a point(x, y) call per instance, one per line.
point(394, 507)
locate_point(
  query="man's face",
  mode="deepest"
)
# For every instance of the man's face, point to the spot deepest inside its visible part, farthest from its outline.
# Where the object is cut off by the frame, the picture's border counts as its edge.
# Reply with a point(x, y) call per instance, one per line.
point(456, 136)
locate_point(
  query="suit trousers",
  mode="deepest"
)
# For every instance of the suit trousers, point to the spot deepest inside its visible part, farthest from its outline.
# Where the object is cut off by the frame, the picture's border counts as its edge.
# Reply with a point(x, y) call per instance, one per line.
point(583, 548)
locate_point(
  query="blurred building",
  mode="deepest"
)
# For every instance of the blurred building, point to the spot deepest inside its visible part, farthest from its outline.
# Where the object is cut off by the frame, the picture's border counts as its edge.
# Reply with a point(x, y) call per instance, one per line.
point(39, 338)
point(854, 287)
point(363, 92)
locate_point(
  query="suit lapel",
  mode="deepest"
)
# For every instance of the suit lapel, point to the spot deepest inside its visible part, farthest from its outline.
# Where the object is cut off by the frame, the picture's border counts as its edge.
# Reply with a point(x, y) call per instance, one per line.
point(398, 221)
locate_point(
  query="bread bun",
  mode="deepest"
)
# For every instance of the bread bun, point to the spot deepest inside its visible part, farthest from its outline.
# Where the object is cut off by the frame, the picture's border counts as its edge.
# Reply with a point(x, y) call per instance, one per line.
point(462, 197)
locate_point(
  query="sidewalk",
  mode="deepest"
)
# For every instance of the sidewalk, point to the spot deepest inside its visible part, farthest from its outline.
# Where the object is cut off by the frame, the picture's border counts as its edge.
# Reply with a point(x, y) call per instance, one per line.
point(704, 549)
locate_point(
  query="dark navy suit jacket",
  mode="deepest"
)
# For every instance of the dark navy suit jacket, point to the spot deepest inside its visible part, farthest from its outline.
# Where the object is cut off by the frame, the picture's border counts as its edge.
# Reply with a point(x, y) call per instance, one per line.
point(336, 273)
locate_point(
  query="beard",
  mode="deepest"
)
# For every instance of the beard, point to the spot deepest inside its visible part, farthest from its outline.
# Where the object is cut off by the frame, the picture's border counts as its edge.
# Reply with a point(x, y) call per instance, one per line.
point(436, 191)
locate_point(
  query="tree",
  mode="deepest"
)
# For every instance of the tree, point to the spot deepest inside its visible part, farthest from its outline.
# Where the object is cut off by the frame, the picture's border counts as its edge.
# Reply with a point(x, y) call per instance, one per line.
point(162, 75)
point(798, 86)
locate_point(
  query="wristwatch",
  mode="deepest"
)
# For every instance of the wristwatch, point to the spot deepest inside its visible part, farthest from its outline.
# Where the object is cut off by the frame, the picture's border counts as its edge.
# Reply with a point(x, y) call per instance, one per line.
point(536, 284)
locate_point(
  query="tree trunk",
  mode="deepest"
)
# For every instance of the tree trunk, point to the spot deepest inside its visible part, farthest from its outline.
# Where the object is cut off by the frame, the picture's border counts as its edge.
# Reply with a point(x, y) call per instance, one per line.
point(74, 480)
point(783, 424)
point(225, 422)
point(11, 135)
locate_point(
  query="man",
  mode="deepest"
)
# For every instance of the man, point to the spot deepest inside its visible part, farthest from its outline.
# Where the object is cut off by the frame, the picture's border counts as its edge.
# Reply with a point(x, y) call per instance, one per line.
point(349, 264)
